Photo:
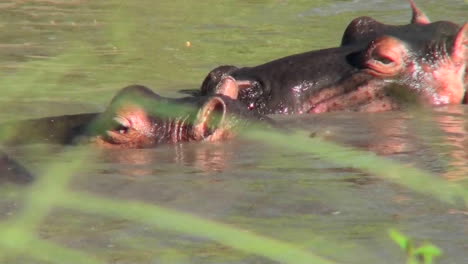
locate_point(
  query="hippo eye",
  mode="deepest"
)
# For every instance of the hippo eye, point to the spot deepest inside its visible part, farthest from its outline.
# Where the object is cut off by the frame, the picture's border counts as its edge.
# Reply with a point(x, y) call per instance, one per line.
point(382, 59)
point(122, 129)
point(122, 126)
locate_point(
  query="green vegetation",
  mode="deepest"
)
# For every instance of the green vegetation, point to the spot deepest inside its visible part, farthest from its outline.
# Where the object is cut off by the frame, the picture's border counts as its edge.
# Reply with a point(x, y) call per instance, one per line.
point(424, 254)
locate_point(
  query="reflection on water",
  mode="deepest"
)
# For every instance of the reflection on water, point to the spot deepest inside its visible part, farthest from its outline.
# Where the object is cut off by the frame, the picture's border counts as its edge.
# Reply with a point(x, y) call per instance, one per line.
point(432, 139)
point(206, 157)
point(453, 125)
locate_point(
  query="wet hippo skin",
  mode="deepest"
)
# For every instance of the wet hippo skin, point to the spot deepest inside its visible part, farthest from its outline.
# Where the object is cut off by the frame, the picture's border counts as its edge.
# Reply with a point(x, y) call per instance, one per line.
point(61, 129)
point(137, 118)
point(378, 67)
point(55, 130)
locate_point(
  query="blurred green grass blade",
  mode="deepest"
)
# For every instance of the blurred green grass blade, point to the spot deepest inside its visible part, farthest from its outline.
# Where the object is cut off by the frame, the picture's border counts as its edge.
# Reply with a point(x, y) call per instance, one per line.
point(411, 177)
point(190, 224)
point(48, 188)
point(399, 238)
point(428, 252)
point(41, 198)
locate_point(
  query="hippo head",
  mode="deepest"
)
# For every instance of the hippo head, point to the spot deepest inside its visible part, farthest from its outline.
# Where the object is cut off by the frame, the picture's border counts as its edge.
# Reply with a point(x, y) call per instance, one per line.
point(139, 118)
point(430, 58)
point(435, 69)
point(378, 67)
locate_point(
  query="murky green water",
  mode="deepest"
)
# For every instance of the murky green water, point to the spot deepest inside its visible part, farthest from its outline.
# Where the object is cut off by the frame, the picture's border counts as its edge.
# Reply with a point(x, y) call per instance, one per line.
point(72, 56)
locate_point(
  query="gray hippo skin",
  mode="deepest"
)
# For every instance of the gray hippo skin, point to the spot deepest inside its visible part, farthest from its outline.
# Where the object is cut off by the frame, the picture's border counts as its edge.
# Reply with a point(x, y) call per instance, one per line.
point(378, 67)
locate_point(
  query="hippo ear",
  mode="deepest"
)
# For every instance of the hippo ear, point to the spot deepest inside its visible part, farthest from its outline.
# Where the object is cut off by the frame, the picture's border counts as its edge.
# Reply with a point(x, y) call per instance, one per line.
point(228, 87)
point(418, 16)
point(385, 57)
point(210, 117)
point(460, 50)
point(213, 79)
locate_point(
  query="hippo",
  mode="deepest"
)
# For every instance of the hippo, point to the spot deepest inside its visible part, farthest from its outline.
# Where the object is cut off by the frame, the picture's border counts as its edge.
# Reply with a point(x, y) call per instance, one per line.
point(136, 118)
point(139, 118)
point(378, 67)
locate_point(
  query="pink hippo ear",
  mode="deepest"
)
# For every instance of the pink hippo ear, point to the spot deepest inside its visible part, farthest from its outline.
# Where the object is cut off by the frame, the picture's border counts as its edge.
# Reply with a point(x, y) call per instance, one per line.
point(460, 50)
point(418, 16)
point(230, 87)
point(210, 119)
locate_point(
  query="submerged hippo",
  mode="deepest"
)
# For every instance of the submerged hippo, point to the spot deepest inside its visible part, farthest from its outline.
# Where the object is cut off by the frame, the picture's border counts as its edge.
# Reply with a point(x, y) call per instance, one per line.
point(378, 67)
point(138, 118)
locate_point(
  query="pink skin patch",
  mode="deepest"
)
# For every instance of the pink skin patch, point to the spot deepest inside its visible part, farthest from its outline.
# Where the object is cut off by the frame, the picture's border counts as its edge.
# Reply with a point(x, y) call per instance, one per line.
point(418, 16)
point(135, 130)
point(366, 98)
point(448, 79)
point(228, 87)
point(448, 76)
